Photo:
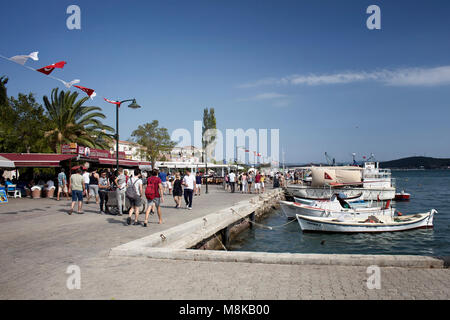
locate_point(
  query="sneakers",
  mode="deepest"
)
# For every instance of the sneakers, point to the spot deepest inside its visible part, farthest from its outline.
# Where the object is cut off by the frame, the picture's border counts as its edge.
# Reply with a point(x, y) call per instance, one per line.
point(70, 212)
point(189, 208)
point(145, 224)
point(128, 221)
point(136, 223)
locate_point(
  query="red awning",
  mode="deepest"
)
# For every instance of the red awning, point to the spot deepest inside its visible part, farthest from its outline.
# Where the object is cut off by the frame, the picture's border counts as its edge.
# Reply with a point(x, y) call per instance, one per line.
point(126, 163)
point(39, 160)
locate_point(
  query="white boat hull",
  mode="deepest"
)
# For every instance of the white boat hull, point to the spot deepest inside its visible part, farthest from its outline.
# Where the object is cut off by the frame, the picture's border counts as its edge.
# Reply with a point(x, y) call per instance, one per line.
point(367, 193)
point(315, 224)
point(291, 209)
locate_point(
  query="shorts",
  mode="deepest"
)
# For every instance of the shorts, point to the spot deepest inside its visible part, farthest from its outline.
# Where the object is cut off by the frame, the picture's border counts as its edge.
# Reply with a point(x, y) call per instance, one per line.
point(93, 190)
point(156, 201)
point(86, 186)
point(77, 195)
point(199, 186)
point(257, 185)
point(262, 185)
point(165, 184)
point(62, 189)
point(135, 202)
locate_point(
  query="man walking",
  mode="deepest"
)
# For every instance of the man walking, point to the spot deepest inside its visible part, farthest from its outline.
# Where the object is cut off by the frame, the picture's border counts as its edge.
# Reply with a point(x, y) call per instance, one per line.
point(103, 187)
point(189, 185)
point(163, 176)
point(86, 179)
point(62, 184)
point(232, 177)
point(198, 183)
point(121, 183)
point(257, 182)
point(77, 187)
point(155, 195)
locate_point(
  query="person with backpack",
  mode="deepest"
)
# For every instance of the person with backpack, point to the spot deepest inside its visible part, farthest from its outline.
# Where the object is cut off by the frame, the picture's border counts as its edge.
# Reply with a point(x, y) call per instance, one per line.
point(155, 195)
point(133, 194)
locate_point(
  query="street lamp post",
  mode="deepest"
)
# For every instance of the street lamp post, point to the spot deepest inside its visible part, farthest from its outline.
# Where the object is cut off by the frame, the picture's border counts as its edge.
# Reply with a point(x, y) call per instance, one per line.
point(132, 105)
point(206, 169)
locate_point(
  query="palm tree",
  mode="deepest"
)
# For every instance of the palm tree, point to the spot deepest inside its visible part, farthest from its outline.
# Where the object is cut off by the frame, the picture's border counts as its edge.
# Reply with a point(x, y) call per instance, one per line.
point(70, 121)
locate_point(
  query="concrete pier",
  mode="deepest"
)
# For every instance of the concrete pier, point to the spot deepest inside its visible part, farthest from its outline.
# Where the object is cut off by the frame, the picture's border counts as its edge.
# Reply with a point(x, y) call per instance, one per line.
point(39, 241)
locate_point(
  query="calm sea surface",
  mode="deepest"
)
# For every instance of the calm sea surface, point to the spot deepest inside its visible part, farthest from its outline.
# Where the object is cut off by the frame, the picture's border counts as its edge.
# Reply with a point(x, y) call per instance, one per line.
point(428, 188)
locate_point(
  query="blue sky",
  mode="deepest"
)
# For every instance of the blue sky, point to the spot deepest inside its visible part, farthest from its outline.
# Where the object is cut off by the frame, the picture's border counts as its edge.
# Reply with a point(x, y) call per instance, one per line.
point(309, 68)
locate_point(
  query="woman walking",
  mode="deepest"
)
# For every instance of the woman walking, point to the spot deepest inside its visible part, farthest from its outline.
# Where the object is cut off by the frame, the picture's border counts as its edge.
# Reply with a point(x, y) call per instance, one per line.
point(177, 190)
point(93, 186)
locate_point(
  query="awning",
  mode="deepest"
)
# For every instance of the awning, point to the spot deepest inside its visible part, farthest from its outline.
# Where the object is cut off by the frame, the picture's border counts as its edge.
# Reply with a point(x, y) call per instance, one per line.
point(37, 160)
point(124, 163)
point(5, 163)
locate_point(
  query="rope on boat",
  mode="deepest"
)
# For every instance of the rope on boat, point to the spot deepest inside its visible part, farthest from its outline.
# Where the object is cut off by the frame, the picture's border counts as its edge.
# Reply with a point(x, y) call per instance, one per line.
point(262, 225)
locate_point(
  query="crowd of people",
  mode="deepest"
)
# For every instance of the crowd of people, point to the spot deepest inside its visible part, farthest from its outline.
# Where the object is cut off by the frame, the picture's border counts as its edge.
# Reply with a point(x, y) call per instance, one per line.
point(131, 186)
point(143, 191)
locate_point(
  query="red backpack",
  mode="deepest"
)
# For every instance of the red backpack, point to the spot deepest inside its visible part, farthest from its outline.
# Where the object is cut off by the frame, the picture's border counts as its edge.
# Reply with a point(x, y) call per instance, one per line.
point(152, 188)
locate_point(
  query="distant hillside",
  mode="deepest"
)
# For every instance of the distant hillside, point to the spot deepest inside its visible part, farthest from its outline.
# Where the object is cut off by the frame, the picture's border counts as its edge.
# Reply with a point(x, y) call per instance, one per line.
point(416, 163)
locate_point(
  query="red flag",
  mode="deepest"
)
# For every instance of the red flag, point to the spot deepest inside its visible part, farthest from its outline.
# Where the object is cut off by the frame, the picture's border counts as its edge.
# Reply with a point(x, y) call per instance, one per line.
point(111, 101)
point(326, 176)
point(48, 69)
point(247, 150)
point(259, 154)
point(90, 92)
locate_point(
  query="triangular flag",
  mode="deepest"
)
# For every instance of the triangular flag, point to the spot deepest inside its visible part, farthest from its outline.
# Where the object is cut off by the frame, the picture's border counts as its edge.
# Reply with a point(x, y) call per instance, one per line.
point(112, 101)
point(326, 176)
point(23, 58)
point(90, 92)
point(48, 69)
point(69, 84)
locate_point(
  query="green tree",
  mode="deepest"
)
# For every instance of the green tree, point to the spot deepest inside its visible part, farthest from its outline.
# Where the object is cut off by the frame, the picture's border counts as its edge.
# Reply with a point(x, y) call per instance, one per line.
point(22, 124)
point(209, 122)
point(70, 121)
point(154, 138)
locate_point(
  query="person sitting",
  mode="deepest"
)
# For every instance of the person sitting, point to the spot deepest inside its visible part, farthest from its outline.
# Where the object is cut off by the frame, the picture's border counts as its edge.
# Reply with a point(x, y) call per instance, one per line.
point(8, 183)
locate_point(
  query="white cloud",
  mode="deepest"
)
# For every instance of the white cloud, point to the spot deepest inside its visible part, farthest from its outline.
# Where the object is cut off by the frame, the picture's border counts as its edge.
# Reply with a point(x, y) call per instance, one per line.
point(399, 77)
point(264, 96)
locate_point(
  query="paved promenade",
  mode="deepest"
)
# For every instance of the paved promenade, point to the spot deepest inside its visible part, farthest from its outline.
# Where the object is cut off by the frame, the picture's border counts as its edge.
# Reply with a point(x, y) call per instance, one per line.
point(39, 241)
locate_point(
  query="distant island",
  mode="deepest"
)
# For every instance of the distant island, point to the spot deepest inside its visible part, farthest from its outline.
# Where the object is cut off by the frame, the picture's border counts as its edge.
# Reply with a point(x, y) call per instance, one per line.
point(410, 163)
point(416, 163)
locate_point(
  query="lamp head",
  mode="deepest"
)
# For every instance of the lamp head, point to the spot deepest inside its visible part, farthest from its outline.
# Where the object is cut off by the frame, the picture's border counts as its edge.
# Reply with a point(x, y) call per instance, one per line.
point(134, 105)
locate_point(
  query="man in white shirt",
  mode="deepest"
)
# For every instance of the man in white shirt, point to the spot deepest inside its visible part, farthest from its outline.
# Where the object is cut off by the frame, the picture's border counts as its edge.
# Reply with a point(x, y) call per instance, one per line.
point(189, 186)
point(86, 182)
point(232, 181)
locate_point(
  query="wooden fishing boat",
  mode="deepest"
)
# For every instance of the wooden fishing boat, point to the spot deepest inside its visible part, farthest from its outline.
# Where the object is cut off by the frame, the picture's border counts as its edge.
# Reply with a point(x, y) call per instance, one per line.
point(334, 206)
point(372, 224)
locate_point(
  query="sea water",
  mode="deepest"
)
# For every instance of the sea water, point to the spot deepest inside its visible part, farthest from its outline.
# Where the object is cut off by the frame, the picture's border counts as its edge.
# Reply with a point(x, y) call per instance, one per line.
point(428, 188)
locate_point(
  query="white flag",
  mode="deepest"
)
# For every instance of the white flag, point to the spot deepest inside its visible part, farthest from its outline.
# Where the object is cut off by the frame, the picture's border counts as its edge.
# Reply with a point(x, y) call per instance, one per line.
point(23, 58)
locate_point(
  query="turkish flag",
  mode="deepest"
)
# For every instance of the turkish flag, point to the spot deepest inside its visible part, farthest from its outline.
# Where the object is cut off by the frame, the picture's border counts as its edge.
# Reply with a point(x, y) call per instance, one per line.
point(326, 176)
point(48, 69)
point(90, 92)
point(113, 102)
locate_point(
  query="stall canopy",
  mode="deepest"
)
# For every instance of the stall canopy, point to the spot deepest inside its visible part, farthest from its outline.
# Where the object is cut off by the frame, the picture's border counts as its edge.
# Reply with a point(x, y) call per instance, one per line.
point(5, 163)
point(40, 160)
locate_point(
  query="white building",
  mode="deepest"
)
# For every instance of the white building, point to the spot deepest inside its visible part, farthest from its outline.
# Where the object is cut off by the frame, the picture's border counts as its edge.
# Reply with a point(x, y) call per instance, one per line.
point(133, 151)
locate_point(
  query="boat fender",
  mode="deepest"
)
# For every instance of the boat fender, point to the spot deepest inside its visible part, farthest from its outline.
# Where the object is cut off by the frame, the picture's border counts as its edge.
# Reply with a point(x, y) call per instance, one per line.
point(399, 213)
